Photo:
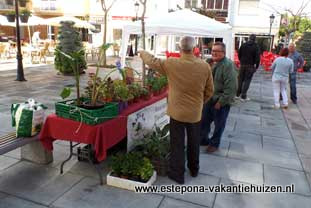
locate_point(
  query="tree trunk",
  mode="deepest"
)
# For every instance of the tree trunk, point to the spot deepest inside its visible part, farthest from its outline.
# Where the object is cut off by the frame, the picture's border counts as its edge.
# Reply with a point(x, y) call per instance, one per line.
point(104, 58)
point(143, 38)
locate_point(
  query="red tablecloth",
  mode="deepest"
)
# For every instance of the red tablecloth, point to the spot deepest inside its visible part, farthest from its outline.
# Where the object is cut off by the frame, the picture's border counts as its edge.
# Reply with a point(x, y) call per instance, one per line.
point(101, 136)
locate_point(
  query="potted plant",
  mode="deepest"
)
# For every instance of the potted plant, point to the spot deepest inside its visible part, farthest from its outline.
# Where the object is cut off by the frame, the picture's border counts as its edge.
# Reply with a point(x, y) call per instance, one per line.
point(145, 94)
point(130, 170)
point(156, 87)
point(23, 3)
point(73, 109)
point(135, 89)
point(121, 93)
point(9, 2)
point(156, 147)
point(10, 16)
point(24, 15)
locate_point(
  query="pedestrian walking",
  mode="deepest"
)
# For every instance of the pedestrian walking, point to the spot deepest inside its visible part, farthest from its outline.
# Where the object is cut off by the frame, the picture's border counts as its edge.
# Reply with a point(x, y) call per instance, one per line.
point(298, 63)
point(281, 68)
point(190, 85)
point(249, 57)
point(218, 107)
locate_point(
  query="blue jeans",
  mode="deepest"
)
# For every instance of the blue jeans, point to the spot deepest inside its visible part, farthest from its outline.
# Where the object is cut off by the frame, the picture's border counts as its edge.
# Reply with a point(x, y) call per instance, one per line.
point(292, 84)
point(219, 117)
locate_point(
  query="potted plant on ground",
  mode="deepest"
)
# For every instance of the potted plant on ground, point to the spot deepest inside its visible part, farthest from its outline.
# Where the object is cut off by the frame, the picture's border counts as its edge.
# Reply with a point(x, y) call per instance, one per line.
point(156, 147)
point(24, 15)
point(130, 170)
point(10, 15)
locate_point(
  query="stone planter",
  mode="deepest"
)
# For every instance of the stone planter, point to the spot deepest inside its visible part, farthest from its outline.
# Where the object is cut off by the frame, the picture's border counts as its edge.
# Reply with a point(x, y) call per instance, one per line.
point(129, 184)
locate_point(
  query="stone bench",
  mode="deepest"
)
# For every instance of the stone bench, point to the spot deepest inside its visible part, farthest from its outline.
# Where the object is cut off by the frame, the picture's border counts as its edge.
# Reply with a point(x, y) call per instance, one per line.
point(31, 148)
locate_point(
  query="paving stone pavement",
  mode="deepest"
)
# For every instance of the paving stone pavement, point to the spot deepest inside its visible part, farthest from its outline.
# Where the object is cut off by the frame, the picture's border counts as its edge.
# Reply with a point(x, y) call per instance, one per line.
point(260, 145)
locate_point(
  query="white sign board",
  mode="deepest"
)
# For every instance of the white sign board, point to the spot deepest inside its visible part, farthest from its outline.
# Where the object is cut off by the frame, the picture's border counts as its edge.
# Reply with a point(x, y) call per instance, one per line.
point(142, 122)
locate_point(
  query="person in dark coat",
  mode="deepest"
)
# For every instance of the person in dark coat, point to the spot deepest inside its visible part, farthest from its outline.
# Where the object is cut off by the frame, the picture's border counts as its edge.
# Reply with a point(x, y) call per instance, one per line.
point(249, 57)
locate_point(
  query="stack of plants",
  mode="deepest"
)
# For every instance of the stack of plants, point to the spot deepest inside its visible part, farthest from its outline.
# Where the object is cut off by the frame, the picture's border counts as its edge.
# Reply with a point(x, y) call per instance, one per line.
point(156, 147)
point(69, 43)
point(132, 166)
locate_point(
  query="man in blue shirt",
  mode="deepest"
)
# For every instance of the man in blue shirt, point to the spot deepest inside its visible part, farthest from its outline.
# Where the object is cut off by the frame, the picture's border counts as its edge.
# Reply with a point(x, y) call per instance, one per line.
point(298, 63)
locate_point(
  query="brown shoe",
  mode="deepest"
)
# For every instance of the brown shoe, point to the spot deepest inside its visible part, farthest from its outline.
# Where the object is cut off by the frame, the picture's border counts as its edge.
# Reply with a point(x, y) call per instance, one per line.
point(211, 149)
point(285, 106)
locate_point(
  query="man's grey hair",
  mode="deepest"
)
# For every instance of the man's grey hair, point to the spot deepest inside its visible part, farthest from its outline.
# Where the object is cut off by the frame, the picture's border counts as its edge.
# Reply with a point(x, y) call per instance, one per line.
point(187, 43)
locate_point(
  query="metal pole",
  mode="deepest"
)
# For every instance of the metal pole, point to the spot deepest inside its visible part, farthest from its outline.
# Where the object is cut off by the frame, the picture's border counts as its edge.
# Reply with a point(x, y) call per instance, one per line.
point(19, 57)
point(136, 37)
point(270, 45)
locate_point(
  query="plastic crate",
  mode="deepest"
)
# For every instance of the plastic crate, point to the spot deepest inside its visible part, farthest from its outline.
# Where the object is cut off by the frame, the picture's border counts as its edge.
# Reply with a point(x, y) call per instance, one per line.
point(68, 109)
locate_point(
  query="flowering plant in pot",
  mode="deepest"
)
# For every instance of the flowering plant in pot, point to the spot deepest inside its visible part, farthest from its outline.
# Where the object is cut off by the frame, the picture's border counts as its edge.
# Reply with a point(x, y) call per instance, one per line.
point(24, 15)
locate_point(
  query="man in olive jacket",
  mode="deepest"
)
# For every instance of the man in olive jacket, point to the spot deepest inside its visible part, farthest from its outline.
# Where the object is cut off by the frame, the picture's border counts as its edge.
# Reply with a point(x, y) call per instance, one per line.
point(217, 108)
point(190, 86)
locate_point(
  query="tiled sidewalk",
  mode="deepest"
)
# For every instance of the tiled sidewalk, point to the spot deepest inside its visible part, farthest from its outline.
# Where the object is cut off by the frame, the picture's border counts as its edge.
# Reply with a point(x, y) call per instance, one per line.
point(260, 145)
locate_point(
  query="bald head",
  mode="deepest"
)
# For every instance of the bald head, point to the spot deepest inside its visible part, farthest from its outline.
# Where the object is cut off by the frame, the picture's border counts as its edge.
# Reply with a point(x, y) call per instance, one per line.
point(187, 44)
point(291, 48)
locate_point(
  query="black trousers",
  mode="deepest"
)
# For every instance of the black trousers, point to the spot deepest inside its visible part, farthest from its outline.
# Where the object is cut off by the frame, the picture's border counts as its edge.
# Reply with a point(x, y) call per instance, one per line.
point(177, 141)
point(244, 80)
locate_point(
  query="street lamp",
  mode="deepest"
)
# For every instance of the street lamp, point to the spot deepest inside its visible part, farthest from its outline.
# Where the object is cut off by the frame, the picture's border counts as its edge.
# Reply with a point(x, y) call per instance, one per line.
point(19, 57)
point(136, 5)
point(272, 17)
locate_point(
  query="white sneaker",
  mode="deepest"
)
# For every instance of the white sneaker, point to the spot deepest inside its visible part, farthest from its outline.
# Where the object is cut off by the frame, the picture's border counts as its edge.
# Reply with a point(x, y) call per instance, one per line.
point(236, 97)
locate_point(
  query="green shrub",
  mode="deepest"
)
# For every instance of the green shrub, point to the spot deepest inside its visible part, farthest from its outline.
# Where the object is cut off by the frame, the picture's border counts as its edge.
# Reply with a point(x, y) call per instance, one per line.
point(69, 42)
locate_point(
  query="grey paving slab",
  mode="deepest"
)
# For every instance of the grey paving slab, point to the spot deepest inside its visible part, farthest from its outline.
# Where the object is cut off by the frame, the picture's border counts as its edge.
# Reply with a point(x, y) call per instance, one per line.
point(278, 144)
point(306, 163)
point(36, 183)
point(172, 203)
point(306, 135)
point(285, 177)
point(88, 193)
point(303, 146)
point(260, 200)
point(11, 201)
point(204, 199)
point(6, 162)
point(14, 154)
point(243, 138)
point(277, 158)
point(231, 168)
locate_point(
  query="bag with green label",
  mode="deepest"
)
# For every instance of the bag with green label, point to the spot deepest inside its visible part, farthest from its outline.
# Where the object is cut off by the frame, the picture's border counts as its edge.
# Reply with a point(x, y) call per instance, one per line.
point(27, 117)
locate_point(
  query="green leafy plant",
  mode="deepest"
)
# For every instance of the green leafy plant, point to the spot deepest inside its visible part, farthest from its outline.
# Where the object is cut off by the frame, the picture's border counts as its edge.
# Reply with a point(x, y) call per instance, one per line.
point(25, 12)
point(73, 59)
point(155, 145)
point(121, 92)
point(132, 166)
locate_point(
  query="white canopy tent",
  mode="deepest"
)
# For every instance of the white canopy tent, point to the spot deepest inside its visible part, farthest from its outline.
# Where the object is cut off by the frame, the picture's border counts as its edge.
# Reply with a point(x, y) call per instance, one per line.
point(180, 23)
point(55, 21)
